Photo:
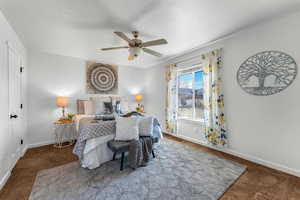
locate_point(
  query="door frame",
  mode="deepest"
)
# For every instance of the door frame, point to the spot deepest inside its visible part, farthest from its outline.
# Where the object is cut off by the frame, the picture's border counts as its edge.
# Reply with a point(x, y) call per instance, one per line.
point(19, 148)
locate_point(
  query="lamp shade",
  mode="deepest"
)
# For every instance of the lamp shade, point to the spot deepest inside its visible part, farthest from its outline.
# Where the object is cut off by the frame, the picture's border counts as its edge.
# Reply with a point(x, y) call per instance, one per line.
point(62, 101)
point(138, 97)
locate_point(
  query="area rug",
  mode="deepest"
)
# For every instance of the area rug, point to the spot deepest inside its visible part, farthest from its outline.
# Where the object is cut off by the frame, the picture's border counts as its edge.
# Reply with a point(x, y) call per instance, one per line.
point(178, 172)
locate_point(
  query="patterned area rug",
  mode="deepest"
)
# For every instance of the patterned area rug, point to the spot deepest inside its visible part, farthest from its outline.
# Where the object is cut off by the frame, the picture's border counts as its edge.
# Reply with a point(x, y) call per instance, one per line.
point(178, 172)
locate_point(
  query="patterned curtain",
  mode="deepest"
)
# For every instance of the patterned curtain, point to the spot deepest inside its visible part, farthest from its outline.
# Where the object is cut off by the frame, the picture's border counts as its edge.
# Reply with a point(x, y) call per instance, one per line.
point(214, 118)
point(171, 101)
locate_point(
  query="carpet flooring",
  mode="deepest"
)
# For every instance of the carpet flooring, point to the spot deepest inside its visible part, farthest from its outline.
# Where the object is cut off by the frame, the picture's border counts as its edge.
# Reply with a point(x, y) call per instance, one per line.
point(178, 172)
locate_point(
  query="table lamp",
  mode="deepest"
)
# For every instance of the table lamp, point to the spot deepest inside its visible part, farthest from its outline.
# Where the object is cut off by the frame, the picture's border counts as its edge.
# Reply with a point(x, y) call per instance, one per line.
point(62, 102)
point(139, 98)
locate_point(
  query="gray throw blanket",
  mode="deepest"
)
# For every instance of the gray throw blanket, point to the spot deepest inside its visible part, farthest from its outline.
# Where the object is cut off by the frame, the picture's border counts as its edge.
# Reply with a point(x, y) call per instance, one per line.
point(139, 152)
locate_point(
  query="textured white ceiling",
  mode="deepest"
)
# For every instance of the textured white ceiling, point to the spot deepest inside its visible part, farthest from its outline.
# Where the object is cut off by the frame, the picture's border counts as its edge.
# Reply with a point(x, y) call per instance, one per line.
point(77, 27)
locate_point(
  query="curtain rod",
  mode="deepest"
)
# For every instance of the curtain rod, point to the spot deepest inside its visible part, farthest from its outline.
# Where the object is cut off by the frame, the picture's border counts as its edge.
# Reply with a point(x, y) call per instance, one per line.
point(188, 59)
point(181, 61)
point(191, 67)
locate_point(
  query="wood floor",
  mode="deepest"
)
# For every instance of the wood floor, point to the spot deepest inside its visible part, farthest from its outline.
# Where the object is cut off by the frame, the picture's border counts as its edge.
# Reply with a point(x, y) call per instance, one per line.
point(257, 183)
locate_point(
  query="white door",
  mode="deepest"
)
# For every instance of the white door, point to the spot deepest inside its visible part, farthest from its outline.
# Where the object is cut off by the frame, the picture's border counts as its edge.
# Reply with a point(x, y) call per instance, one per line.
point(15, 115)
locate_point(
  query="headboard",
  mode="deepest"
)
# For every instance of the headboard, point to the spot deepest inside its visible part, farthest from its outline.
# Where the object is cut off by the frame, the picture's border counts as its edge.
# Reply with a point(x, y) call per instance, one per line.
point(85, 107)
point(88, 106)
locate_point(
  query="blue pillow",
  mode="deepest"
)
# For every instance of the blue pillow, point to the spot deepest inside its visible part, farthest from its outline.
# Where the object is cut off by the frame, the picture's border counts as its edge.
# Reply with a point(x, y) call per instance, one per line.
point(117, 108)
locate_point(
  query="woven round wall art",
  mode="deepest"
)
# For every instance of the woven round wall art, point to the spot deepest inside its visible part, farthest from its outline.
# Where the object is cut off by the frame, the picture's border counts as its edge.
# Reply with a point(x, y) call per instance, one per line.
point(101, 79)
point(267, 73)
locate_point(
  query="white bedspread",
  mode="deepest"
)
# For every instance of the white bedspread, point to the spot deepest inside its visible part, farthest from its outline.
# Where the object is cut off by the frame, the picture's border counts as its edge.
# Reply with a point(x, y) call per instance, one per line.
point(96, 152)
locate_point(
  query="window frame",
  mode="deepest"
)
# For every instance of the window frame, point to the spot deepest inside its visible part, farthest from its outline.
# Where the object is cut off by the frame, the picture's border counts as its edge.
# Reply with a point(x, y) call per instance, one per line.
point(191, 70)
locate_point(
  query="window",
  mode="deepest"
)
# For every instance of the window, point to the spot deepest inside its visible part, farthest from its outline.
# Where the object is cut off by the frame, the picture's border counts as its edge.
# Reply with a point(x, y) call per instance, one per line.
point(190, 94)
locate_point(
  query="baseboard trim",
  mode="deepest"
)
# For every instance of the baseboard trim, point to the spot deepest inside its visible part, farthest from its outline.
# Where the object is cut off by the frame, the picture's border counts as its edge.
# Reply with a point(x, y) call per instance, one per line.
point(14, 159)
point(39, 144)
point(248, 157)
point(24, 150)
point(8, 173)
point(4, 179)
point(266, 163)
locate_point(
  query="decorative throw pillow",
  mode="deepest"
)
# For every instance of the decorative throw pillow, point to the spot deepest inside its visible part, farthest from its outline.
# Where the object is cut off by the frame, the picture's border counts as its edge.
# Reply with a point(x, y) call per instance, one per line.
point(98, 102)
point(146, 126)
point(127, 128)
point(117, 107)
point(85, 107)
point(99, 107)
point(124, 106)
point(108, 107)
point(81, 106)
point(89, 108)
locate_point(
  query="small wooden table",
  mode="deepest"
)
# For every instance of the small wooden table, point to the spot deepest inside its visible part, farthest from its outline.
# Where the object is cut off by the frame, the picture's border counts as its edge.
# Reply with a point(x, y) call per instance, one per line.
point(65, 133)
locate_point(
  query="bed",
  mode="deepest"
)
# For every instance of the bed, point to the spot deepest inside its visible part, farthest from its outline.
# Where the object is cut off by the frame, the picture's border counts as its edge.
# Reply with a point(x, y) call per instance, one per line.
point(94, 151)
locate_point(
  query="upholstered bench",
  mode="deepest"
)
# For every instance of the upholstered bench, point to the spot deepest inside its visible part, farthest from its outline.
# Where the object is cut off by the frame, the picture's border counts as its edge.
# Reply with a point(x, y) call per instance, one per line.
point(123, 147)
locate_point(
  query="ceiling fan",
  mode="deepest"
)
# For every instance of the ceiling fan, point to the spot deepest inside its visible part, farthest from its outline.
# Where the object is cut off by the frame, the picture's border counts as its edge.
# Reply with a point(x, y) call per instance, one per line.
point(136, 46)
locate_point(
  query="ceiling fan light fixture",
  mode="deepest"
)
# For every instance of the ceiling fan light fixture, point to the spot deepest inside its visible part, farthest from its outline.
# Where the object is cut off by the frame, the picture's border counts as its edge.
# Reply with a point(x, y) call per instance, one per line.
point(135, 51)
point(136, 46)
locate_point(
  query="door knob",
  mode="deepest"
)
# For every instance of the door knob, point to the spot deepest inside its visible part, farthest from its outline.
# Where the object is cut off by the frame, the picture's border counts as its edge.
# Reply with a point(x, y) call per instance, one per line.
point(13, 116)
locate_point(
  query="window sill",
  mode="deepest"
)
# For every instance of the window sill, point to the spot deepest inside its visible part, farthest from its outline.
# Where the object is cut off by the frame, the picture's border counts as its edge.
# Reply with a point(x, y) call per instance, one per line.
point(192, 120)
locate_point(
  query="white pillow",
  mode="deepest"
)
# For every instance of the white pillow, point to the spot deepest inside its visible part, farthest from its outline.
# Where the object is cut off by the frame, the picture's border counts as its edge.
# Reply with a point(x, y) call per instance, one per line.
point(124, 106)
point(127, 128)
point(89, 108)
point(99, 107)
point(146, 126)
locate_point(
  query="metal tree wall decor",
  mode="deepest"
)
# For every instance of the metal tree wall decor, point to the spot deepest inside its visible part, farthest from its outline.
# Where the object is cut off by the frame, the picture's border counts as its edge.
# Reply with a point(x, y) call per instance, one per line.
point(267, 73)
point(102, 79)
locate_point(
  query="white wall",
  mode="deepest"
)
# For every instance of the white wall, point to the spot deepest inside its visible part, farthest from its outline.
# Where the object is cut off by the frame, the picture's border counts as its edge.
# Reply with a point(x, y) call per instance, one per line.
point(50, 76)
point(156, 93)
point(190, 130)
point(263, 129)
point(7, 150)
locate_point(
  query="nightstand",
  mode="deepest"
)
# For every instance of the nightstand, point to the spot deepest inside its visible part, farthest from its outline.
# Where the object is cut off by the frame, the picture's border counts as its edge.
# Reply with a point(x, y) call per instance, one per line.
point(65, 133)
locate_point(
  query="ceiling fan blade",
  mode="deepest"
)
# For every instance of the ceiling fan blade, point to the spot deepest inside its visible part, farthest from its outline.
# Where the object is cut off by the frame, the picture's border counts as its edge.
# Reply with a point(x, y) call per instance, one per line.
point(154, 53)
point(112, 48)
point(123, 36)
point(155, 42)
